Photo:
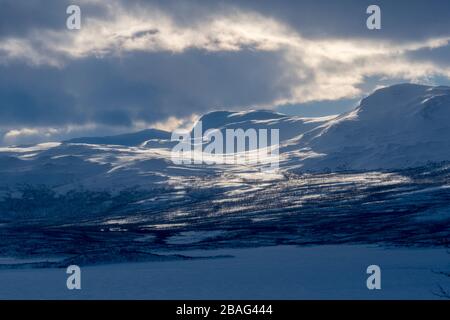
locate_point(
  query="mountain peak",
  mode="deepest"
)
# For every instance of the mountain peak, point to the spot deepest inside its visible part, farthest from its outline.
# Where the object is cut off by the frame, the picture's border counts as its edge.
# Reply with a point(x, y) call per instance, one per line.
point(128, 139)
point(220, 119)
point(401, 100)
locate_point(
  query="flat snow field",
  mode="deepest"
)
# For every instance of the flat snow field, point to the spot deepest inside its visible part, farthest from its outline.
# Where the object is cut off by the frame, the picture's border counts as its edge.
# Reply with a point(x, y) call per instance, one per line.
point(280, 272)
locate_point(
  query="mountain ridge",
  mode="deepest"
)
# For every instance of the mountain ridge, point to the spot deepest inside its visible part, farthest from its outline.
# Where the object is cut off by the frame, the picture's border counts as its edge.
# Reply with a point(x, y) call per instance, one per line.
point(397, 127)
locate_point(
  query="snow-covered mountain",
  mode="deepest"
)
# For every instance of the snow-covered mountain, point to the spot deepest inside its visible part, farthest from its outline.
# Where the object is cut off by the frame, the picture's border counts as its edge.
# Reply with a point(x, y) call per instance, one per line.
point(400, 126)
point(289, 126)
point(119, 198)
point(129, 139)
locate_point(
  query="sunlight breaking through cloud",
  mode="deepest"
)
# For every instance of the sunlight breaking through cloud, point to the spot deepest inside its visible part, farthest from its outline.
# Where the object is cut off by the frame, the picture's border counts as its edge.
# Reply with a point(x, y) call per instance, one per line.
point(314, 69)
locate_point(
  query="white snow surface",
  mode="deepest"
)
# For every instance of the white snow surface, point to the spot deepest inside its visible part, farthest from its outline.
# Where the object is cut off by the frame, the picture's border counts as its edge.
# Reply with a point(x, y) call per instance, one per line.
point(400, 126)
point(282, 272)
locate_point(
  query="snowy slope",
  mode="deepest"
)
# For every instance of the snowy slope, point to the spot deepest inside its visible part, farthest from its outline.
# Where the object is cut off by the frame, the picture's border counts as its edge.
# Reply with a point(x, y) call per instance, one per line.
point(289, 126)
point(120, 198)
point(396, 127)
point(130, 139)
point(140, 159)
point(400, 126)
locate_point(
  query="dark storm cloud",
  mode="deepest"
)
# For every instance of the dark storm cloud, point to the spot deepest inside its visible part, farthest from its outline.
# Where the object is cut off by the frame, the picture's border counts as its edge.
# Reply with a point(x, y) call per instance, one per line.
point(120, 88)
point(137, 87)
point(30, 95)
point(20, 18)
point(401, 19)
point(438, 55)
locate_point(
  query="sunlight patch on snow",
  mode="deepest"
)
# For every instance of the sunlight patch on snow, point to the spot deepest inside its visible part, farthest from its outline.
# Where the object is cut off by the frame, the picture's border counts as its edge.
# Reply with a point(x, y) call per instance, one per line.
point(262, 219)
point(28, 156)
point(164, 226)
point(177, 214)
point(260, 176)
point(122, 221)
point(38, 147)
point(320, 119)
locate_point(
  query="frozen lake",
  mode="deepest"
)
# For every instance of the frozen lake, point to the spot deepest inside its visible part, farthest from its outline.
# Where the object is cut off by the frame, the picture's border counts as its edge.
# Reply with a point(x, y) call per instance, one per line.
point(278, 272)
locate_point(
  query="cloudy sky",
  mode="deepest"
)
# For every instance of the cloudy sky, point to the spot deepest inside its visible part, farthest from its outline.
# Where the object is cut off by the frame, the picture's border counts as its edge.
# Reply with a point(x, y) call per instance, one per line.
point(136, 64)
